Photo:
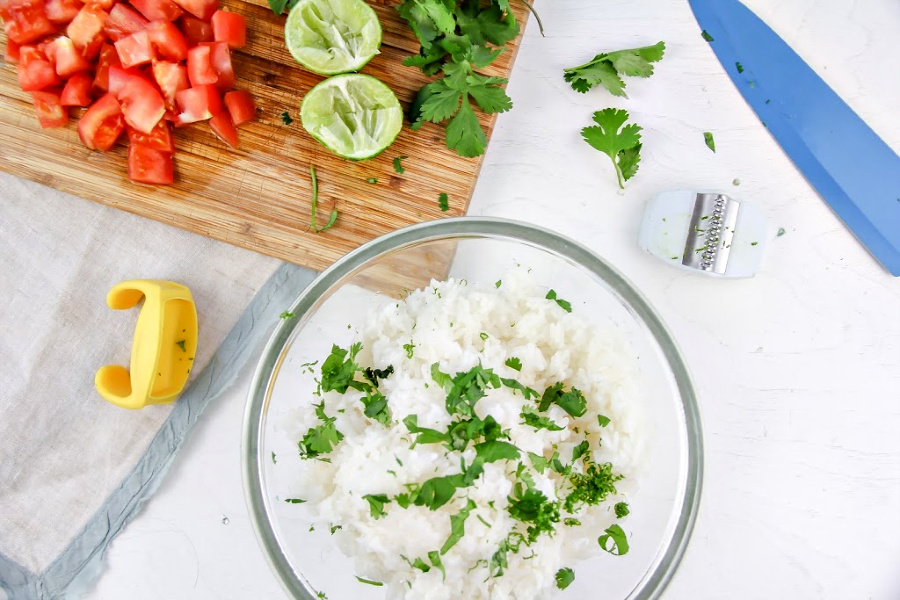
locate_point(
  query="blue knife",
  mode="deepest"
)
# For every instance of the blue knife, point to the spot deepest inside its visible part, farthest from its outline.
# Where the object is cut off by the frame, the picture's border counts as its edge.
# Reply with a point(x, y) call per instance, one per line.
point(841, 157)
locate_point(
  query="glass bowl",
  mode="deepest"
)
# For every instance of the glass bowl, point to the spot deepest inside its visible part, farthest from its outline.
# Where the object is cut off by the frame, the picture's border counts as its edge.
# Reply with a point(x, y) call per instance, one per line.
point(664, 508)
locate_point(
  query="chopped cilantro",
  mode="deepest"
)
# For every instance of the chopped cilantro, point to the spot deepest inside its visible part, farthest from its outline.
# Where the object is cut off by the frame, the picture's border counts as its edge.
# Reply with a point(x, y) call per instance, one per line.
point(564, 304)
point(564, 577)
point(514, 363)
point(334, 528)
point(398, 168)
point(603, 421)
point(294, 500)
point(426, 435)
point(533, 419)
point(573, 401)
point(580, 450)
point(409, 349)
point(376, 504)
point(444, 202)
point(780, 232)
point(739, 67)
point(286, 118)
point(606, 69)
point(621, 509)
point(274, 461)
point(435, 558)
point(591, 487)
point(706, 36)
point(458, 526)
point(339, 368)
point(498, 283)
point(570, 522)
point(373, 375)
point(538, 462)
point(314, 202)
point(371, 180)
point(369, 581)
point(534, 508)
point(615, 534)
point(484, 336)
point(710, 141)
point(322, 439)
point(376, 407)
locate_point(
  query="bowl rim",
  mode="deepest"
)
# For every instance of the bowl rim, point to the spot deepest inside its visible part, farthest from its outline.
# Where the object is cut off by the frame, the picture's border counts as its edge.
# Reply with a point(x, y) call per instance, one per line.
point(652, 584)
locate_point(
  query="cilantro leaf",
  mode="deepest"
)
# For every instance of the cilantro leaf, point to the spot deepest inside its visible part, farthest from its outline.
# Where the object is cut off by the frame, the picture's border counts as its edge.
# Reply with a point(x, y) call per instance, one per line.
point(437, 491)
point(524, 389)
point(615, 534)
point(369, 581)
point(629, 161)
point(485, 25)
point(612, 137)
point(458, 526)
point(426, 435)
point(373, 375)
point(564, 578)
point(573, 401)
point(435, 557)
point(603, 421)
point(294, 500)
point(591, 487)
point(376, 407)
point(339, 368)
point(494, 450)
point(441, 378)
point(532, 419)
point(376, 504)
point(513, 362)
point(441, 102)
point(464, 133)
point(398, 167)
point(710, 140)
point(538, 462)
point(621, 509)
point(321, 439)
point(580, 450)
point(534, 508)
point(564, 304)
point(488, 95)
point(607, 68)
point(444, 201)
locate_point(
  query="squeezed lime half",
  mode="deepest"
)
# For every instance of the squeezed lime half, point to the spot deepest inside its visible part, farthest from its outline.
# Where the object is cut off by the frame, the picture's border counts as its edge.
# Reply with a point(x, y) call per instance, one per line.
point(355, 116)
point(332, 36)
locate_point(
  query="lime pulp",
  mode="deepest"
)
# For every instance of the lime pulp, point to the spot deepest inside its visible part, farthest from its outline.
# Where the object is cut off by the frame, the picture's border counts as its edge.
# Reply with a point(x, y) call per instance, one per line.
point(332, 36)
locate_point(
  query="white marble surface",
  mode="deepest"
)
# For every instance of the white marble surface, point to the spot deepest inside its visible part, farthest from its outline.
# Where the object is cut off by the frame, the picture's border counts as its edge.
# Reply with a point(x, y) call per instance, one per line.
point(798, 369)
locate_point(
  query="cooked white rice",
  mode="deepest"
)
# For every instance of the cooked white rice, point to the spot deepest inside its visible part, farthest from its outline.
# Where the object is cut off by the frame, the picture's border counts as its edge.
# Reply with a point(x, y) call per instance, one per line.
point(460, 325)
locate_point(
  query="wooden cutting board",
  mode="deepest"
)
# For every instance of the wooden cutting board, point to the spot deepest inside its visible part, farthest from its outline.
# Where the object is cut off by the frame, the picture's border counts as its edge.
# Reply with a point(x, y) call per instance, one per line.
point(259, 197)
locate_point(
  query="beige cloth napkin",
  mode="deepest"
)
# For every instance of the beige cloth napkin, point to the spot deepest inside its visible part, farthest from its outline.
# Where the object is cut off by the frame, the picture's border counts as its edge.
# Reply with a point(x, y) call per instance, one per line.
point(63, 450)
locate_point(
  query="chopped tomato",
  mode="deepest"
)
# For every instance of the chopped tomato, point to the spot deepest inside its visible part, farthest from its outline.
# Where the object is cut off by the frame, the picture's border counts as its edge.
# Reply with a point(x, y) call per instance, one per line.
point(67, 58)
point(25, 20)
point(171, 79)
point(167, 40)
point(142, 103)
point(220, 59)
point(108, 58)
point(224, 128)
point(155, 10)
point(122, 22)
point(158, 139)
point(198, 103)
point(50, 112)
point(240, 106)
point(86, 30)
point(48, 49)
point(199, 65)
point(230, 28)
point(135, 49)
point(35, 71)
point(61, 11)
point(195, 30)
point(11, 55)
point(119, 76)
point(202, 9)
point(77, 91)
point(101, 125)
point(149, 165)
point(101, 4)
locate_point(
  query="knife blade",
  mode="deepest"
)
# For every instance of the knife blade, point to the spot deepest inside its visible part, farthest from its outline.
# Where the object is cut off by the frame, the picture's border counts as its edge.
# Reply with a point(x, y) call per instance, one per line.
point(850, 167)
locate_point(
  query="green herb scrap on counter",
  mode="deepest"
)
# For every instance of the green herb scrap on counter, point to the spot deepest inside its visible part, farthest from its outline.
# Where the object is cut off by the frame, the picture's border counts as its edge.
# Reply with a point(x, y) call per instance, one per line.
point(458, 37)
point(607, 69)
point(314, 202)
point(622, 143)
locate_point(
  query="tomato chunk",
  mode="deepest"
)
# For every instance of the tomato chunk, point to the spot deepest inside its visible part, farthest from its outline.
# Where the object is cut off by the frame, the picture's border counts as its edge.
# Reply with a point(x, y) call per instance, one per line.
point(68, 60)
point(77, 91)
point(135, 49)
point(171, 79)
point(158, 139)
point(198, 103)
point(62, 11)
point(86, 30)
point(199, 65)
point(11, 55)
point(167, 40)
point(108, 58)
point(101, 125)
point(202, 9)
point(155, 10)
point(196, 31)
point(122, 22)
point(101, 4)
point(240, 106)
point(35, 71)
point(50, 112)
point(220, 59)
point(230, 28)
point(149, 165)
point(25, 20)
point(224, 128)
point(142, 104)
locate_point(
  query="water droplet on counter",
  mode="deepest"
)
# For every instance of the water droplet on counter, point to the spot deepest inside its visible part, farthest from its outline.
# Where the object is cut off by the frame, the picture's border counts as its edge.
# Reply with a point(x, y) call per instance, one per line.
point(225, 520)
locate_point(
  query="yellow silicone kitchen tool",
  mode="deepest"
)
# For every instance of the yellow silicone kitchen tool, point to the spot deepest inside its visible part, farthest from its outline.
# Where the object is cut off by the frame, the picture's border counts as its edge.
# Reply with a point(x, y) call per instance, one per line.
point(165, 342)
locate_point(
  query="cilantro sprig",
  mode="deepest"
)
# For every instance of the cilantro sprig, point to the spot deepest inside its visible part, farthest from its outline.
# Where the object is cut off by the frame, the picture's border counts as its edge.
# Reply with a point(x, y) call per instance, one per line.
point(607, 69)
point(458, 37)
point(620, 142)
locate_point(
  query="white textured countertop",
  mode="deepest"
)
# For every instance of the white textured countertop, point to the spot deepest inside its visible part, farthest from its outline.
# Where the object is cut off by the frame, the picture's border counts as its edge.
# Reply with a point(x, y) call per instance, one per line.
point(797, 369)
